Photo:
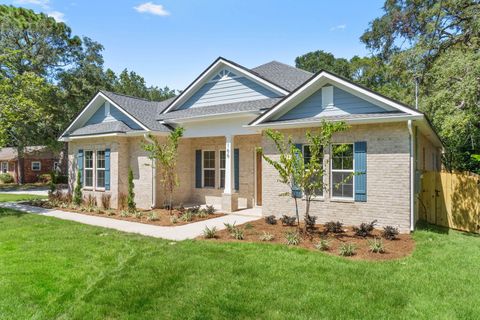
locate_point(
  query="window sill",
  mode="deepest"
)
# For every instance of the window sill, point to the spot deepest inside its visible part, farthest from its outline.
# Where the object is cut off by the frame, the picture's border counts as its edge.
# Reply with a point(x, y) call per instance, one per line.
point(319, 199)
point(346, 200)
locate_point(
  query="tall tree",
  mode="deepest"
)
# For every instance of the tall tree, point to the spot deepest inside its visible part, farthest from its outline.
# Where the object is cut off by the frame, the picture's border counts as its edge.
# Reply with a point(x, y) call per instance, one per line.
point(321, 60)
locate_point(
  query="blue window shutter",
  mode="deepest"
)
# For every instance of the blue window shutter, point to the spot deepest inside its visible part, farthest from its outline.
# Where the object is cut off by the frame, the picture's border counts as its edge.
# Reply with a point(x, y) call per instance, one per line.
point(236, 168)
point(361, 171)
point(80, 164)
point(296, 192)
point(198, 168)
point(107, 169)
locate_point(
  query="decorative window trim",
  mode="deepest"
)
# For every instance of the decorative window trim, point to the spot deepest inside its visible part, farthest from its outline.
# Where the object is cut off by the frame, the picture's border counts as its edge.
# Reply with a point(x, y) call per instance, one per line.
point(85, 169)
point(39, 165)
point(3, 168)
point(214, 169)
point(344, 199)
point(56, 166)
point(98, 168)
point(322, 196)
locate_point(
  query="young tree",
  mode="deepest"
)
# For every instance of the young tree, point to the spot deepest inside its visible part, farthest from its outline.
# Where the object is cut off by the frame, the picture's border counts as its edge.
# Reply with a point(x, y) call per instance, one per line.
point(294, 171)
point(165, 156)
point(77, 193)
point(132, 206)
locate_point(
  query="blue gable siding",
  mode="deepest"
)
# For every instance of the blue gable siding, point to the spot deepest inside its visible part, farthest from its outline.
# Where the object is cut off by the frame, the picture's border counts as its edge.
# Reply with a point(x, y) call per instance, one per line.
point(229, 90)
point(343, 103)
point(115, 115)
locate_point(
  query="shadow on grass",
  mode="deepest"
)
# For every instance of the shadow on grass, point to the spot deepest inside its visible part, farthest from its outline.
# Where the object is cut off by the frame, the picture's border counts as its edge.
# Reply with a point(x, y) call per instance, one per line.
point(425, 226)
point(5, 212)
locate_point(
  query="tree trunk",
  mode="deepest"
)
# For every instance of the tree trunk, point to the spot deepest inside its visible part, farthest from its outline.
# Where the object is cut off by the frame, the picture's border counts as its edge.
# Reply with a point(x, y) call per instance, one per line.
point(296, 211)
point(21, 165)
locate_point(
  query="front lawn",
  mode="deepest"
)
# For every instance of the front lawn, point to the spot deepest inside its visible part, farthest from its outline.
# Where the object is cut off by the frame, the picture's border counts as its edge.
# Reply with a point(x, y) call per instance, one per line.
point(5, 197)
point(51, 268)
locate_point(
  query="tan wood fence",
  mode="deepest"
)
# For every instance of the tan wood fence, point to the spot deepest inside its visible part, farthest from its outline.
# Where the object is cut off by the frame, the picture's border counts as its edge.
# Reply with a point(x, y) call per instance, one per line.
point(451, 200)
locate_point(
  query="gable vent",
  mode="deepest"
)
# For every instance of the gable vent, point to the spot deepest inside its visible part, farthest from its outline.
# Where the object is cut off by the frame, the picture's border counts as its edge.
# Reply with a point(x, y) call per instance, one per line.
point(327, 96)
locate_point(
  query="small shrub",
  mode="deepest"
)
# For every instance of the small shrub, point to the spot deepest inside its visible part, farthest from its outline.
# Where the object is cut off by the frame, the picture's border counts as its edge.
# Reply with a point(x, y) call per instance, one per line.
point(105, 200)
point(125, 213)
point(45, 178)
point(323, 245)
point(248, 226)
point(288, 221)
point(237, 233)
point(310, 223)
point(202, 213)
point(334, 226)
point(390, 232)
point(132, 206)
point(364, 229)
point(210, 233)
point(111, 212)
point(77, 193)
point(376, 245)
point(181, 208)
point(90, 202)
point(229, 226)
point(271, 220)
point(67, 198)
point(174, 219)
point(347, 249)
point(293, 238)
point(138, 214)
point(267, 236)
point(194, 209)
point(6, 178)
point(187, 216)
point(210, 209)
point(62, 179)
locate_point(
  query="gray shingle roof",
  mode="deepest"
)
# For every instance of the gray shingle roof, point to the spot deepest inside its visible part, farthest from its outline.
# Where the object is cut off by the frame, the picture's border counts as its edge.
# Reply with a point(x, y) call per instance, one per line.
point(141, 109)
point(104, 127)
point(228, 108)
point(341, 117)
point(282, 74)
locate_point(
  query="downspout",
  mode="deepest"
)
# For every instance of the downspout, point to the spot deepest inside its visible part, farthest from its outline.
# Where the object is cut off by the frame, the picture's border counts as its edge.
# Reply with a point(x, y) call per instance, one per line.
point(412, 175)
point(154, 176)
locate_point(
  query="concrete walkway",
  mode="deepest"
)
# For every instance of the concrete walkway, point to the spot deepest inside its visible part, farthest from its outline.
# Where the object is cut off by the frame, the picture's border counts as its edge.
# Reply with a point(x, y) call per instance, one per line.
point(36, 192)
point(188, 231)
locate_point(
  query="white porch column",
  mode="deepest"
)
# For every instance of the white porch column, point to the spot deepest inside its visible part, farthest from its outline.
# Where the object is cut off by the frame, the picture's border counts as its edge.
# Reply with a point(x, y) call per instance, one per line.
point(229, 197)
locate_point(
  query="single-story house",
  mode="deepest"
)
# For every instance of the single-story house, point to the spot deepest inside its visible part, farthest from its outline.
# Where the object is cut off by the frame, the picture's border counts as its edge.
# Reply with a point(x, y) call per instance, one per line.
point(38, 160)
point(224, 112)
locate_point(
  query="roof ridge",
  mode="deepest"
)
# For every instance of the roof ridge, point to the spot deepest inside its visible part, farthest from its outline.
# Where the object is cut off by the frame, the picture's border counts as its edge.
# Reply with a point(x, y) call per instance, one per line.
point(128, 96)
point(284, 64)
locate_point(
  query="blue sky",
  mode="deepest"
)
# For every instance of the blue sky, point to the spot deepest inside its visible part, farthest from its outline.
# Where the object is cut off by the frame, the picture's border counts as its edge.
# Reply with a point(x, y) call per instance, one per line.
point(169, 42)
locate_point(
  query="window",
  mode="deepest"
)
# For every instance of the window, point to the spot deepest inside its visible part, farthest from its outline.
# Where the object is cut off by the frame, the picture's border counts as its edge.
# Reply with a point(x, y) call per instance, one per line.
point(56, 167)
point(4, 167)
point(306, 159)
point(100, 169)
point(222, 168)
point(342, 171)
point(88, 169)
point(36, 166)
point(209, 169)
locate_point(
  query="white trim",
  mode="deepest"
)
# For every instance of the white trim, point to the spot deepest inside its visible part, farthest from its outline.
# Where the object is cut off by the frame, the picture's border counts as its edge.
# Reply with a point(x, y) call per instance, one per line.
point(100, 94)
point(208, 74)
point(338, 81)
point(97, 169)
point(39, 165)
point(352, 198)
point(2, 164)
point(220, 169)
point(412, 174)
point(85, 187)
point(214, 168)
point(216, 116)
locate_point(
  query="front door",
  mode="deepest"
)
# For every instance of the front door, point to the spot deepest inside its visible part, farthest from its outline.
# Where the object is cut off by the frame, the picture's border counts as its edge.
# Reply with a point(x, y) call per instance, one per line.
point(258, 178)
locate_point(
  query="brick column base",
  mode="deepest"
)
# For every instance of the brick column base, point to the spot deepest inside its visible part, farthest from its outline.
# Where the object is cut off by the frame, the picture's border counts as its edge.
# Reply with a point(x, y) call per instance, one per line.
point(229, 202)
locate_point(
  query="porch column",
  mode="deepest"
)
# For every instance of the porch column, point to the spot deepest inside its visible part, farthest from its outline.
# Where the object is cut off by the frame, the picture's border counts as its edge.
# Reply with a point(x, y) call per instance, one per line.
point(229, 197)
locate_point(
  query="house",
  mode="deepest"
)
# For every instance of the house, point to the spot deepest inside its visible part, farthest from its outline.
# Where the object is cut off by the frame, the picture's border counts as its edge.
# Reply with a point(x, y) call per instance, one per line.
point(38, 160)
point(224, 112)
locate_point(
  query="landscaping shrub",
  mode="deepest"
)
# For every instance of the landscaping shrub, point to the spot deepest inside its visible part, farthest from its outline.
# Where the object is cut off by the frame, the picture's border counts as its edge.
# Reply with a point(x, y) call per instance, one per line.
point(248, 226)
point(90, 201)
point(210, 233)
point(105, 199)
point(125, 213)
point(229, 226)
point(376, 245)
point(288, 221)
point(310, 223)
point(132, 207)
point(323, 245)
point(237, 233)
point(390, 232)
point(6, 178)
point(45, 178)
point(77, 193)
point(62, 179)
point(365, 229)
point(293, 238)
point(138, 214)
point(122, 201)
point(174, 219)
point(267, 236)
point(202, 213)
point(210, 209)
point(181, 208)
point(187, 216)
point(334, 226)
point(271, 220)
point(194, 209)
point(347, 249)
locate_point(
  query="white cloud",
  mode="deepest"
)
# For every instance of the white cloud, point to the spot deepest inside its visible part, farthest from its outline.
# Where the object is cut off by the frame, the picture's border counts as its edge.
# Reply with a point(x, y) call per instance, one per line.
point(41, 3)
point(150, 7)
point(57, 15)
point(339, 27)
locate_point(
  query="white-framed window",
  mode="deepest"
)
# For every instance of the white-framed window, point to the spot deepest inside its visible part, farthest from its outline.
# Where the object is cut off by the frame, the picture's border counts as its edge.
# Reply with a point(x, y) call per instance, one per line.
point(208, 169)
point(342, 171)
point(56, 166)
point(88, 169)
point(4, 167)
point(36, 166)
point(306, 159)
point(100, 169)
point(223, 157)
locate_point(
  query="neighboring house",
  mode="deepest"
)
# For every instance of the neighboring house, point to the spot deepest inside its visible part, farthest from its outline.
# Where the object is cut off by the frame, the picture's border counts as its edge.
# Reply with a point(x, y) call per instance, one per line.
point(224, 112)
point(38, 160)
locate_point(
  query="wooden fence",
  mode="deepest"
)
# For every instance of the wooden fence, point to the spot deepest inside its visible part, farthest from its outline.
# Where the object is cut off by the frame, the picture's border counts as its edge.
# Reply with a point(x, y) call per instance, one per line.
point(451, 200)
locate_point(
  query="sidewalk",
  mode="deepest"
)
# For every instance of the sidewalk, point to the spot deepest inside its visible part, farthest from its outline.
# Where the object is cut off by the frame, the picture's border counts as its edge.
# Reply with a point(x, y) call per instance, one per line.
point(188, 231)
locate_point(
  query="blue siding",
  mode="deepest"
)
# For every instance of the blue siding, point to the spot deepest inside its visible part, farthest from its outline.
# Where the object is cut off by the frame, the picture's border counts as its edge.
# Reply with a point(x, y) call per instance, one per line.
point(229, 90)
point(344, 103)
point(115, 115)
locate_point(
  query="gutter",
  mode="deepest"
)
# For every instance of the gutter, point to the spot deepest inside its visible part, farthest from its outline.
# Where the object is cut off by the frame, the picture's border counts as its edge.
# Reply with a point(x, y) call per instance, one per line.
point(154, 176)
point(412, 175)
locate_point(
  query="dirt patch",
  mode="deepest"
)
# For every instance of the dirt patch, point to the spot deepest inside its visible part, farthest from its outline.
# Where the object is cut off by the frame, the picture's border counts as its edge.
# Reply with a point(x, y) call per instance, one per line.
point(394, 249)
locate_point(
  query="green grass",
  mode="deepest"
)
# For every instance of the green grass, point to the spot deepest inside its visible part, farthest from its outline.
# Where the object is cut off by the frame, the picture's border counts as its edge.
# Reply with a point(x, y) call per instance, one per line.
point(55, 269)
point(25, 186)
point(5, 197)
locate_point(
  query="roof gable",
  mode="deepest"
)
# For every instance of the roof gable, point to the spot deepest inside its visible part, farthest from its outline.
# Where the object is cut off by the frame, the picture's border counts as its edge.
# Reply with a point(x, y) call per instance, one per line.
point(282, 74)
point(211, 73)
point(109, 113)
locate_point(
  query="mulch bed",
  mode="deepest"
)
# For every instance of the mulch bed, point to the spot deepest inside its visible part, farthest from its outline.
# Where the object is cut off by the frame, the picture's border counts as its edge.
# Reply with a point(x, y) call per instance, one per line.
point(162, 214)
point(394, 249)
